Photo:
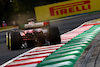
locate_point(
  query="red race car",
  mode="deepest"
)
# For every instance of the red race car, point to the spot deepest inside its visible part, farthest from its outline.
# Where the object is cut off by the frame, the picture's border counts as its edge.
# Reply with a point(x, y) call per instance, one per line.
point(32, 34)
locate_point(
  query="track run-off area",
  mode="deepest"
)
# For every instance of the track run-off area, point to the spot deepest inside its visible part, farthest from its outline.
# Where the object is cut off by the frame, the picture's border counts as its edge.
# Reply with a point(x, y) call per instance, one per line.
point(64, 54)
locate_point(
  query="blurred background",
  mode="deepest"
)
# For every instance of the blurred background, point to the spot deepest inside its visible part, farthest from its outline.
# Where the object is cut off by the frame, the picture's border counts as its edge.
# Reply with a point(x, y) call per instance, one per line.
point(19, 11)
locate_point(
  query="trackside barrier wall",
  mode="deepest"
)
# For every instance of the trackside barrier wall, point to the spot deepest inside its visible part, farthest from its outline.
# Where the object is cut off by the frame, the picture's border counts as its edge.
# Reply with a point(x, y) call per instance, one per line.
point(67, 55)
point(66, 8)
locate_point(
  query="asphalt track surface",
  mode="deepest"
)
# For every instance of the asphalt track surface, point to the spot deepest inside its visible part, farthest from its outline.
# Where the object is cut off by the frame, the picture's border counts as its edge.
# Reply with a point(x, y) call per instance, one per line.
point(91, 56)
point(64, 25)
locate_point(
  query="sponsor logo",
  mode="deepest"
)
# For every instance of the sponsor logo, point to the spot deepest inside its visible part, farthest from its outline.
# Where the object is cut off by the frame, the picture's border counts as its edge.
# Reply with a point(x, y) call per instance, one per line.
point(70, 8)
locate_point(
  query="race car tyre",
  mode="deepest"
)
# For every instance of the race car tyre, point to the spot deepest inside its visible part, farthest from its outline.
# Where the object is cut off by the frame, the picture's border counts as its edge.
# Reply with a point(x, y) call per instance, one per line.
point(7, 39)
point(15, 40)
point(53, 35)
point(40, 38)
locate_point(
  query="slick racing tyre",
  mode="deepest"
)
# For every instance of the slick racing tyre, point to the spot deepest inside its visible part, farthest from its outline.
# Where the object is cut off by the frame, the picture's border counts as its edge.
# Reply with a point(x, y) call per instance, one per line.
point(53, 35)
point(14, 40)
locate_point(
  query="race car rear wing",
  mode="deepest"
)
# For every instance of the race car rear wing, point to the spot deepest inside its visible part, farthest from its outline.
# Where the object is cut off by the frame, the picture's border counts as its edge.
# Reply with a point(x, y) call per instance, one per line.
point(34, 25)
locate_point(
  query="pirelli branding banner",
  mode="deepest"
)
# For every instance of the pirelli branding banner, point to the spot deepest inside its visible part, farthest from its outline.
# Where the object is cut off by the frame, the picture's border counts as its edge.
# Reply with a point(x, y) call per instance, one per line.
point(66, 8)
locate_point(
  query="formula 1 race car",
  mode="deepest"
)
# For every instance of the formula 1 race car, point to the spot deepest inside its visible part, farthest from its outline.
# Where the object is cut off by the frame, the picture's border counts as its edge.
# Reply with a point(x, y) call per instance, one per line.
point(31, 35)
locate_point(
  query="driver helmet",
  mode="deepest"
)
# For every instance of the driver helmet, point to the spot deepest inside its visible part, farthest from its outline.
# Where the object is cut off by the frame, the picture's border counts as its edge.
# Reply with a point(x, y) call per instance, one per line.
point(31, 21)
